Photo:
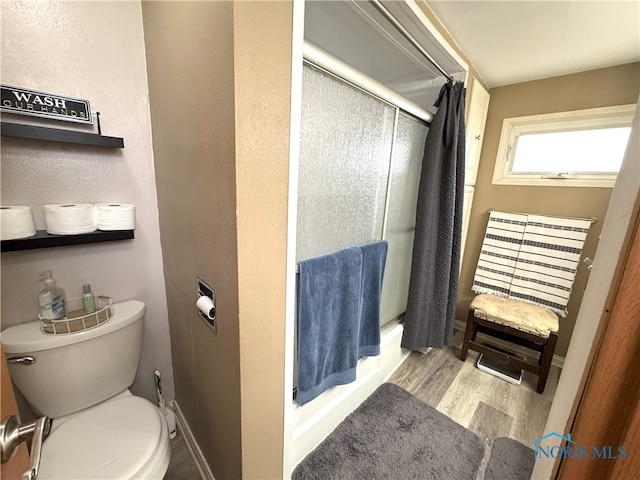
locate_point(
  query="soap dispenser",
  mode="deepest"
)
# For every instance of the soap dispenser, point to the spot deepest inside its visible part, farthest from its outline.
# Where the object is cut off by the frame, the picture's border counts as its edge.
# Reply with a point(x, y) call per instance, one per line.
point(51, 298)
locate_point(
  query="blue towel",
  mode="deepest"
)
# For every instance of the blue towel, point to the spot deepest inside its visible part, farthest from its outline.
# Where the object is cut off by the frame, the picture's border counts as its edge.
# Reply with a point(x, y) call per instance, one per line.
point(329, 312)
point(374, 257)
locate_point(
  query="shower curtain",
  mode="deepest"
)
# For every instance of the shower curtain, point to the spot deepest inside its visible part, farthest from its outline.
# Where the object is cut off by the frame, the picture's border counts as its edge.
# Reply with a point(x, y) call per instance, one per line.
point(436, 248)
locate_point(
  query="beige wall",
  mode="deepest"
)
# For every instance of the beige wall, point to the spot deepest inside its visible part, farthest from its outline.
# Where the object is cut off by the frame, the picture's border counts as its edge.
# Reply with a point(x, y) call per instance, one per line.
point(597, 88)
point(189, 48)
point(262, 51)
point(94, 51)
point(219, 80)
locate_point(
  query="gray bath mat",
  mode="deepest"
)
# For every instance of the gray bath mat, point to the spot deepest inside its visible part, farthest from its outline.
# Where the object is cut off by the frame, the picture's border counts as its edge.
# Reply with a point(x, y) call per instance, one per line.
point(509, 460)
point(393, 435)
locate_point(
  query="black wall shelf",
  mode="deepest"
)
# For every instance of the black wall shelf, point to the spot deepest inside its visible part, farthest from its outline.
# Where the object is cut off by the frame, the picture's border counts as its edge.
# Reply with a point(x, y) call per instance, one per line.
point(57, 135)
point(44, 240)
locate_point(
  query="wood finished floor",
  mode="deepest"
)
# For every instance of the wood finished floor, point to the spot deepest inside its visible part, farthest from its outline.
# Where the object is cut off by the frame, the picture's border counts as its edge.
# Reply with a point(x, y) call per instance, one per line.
point(181, 464)
point(486, 405)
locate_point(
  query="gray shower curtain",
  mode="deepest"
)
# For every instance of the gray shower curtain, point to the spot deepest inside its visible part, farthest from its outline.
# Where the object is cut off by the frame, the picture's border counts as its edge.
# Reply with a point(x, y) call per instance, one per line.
point(433, 284)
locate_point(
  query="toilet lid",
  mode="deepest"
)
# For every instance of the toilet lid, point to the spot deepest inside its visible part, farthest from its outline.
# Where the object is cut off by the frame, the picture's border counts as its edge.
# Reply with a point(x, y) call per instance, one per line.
point(114, 439)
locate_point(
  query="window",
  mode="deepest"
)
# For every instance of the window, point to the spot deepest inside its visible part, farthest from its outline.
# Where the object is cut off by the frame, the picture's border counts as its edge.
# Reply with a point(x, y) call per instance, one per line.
point(582, 148)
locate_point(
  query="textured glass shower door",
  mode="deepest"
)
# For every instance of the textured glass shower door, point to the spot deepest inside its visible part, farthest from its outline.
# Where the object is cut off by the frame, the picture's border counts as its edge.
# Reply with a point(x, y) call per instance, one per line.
point(400, 219)
point(345, 151)
point(360, 161)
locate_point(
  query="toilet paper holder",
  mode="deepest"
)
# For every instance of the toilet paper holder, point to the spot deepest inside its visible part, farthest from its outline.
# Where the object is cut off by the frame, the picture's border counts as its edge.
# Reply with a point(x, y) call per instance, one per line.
point(206, 308)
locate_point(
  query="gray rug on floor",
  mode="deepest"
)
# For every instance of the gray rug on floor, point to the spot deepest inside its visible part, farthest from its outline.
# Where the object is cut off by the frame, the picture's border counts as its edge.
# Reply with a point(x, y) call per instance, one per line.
point(393, 435)
point(509, 460)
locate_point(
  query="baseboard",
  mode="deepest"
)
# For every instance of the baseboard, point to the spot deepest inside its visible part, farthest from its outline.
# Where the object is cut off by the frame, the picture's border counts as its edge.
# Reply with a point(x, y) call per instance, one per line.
point(190, 442)
point(557, 361)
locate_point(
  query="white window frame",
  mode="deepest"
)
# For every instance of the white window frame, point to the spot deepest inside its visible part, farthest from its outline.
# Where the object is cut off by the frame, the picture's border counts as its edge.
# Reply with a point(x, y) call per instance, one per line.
point(616, 116)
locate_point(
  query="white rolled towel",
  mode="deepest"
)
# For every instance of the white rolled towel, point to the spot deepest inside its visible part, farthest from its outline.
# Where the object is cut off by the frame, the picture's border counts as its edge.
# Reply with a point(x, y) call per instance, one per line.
point(16, 222)
point(116, 216)
point(70, 218)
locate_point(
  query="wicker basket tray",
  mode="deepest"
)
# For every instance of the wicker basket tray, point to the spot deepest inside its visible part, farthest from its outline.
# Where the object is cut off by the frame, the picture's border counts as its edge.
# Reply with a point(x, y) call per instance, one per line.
point(76, 320)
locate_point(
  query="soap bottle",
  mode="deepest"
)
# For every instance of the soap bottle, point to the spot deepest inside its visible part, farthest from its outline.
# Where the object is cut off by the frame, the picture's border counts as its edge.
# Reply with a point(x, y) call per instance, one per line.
point(51, 299)
point(88, 302)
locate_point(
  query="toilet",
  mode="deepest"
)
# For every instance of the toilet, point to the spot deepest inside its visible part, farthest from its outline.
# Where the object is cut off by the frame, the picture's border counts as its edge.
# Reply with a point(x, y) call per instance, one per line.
point(100, 430)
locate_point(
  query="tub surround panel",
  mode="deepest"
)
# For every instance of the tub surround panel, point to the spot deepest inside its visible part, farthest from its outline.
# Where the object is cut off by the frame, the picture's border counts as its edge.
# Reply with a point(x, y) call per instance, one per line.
point(94, 51)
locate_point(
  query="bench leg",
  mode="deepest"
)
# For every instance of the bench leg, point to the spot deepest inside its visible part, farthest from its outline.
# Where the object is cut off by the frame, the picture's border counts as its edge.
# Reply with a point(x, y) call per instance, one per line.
point(469, 334)
point(545, 361)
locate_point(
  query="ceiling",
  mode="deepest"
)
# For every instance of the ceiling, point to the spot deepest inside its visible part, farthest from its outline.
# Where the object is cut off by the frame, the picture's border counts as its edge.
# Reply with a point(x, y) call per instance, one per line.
point(516, 41)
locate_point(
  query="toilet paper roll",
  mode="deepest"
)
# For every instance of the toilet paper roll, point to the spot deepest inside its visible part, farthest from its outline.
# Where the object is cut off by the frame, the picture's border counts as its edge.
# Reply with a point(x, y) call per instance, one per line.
point(206, 306)
point(70, 218)
point(16, 222)
point(115, 216)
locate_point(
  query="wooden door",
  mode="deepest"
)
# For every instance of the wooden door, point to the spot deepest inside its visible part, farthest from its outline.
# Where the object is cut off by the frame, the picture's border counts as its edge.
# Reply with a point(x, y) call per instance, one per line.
point(609, 412)
point(13, 469)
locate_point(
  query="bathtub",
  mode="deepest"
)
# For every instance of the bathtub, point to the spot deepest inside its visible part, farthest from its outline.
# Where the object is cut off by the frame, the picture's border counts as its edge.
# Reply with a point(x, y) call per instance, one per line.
point(315, 420)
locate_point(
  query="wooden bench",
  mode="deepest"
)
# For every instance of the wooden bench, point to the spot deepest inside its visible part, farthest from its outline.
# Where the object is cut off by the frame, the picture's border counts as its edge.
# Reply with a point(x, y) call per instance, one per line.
point(530, 326)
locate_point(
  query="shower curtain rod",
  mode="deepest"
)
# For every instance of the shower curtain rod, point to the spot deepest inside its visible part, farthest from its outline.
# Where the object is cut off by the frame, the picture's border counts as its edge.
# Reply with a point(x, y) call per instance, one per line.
point(406, 34)
point(593, 220)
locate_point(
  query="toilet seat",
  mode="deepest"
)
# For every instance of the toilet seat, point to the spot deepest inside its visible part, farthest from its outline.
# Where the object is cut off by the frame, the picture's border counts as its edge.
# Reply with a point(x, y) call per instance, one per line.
point(122, 438)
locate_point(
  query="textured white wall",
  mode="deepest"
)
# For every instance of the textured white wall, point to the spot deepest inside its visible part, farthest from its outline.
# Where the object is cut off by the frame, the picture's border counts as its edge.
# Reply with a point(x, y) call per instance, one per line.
point(92, 50)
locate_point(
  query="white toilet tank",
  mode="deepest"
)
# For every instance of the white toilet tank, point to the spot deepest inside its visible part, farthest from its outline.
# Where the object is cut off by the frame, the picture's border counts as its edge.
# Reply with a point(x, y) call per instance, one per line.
point(75, 371)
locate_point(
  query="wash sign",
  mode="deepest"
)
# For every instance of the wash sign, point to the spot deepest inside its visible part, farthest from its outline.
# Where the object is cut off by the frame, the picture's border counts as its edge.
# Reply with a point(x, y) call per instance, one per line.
point(45, 105)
